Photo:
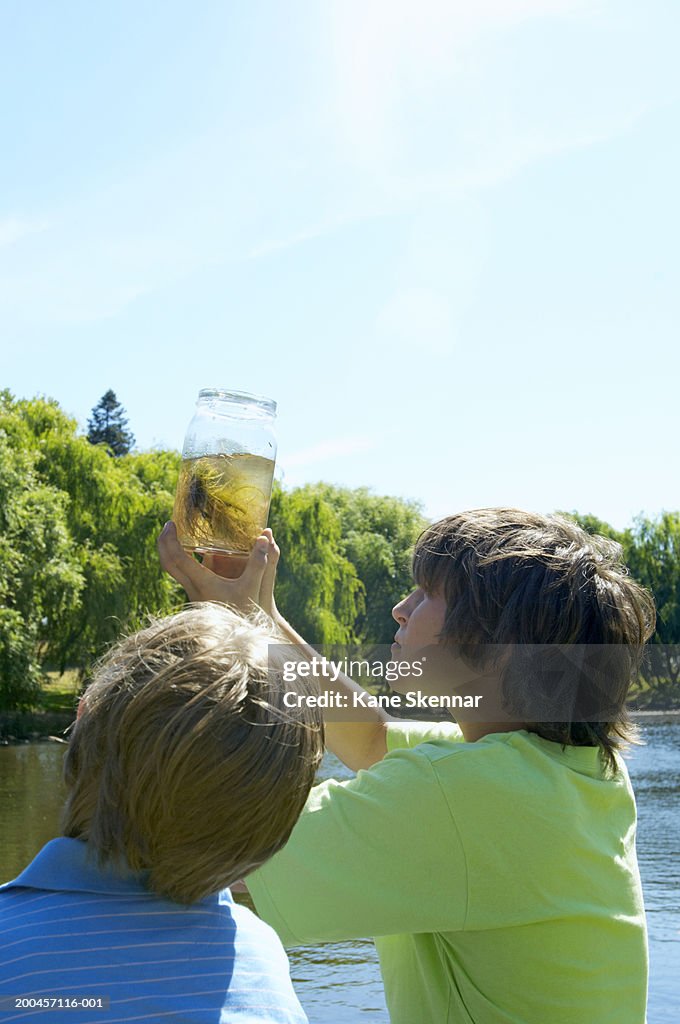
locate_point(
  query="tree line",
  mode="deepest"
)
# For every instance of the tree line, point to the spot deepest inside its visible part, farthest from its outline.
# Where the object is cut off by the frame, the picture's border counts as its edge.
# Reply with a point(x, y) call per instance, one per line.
point(79, 519)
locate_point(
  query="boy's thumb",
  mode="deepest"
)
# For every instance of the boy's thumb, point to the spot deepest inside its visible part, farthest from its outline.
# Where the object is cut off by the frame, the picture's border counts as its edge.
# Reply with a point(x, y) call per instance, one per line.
point(257, 563)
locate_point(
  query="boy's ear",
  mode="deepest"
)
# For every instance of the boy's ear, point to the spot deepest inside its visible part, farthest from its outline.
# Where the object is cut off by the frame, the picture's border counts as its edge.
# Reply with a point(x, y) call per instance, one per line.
point(81, 707)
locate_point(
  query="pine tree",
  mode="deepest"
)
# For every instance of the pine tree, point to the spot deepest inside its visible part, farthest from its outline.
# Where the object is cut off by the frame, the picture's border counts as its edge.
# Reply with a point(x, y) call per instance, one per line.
point(108, 425)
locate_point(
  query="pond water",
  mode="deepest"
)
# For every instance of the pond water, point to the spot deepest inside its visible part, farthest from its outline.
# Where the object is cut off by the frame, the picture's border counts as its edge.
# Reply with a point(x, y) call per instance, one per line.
point(340, 982)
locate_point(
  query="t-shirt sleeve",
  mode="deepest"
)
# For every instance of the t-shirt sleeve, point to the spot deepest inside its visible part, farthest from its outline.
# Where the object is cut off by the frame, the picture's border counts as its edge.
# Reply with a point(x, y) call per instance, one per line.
point(410, 734)
point(378, 855)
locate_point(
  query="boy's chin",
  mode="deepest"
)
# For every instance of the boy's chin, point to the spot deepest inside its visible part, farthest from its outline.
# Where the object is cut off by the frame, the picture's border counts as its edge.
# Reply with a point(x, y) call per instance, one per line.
point(411, 666)
point(408, 653)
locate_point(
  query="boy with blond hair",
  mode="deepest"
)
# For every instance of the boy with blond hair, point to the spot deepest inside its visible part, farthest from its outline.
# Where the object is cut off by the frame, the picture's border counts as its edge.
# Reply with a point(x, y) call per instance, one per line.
point(184, 773)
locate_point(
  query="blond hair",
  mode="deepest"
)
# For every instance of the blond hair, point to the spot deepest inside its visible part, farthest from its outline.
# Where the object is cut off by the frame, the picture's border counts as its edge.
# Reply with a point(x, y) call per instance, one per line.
point(185, 762)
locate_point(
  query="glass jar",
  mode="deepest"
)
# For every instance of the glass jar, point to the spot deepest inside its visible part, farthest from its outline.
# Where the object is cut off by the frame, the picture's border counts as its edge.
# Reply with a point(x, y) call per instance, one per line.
point(225, 481)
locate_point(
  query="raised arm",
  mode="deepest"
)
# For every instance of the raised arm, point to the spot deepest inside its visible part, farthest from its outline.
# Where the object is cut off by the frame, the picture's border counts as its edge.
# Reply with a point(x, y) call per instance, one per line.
point(358, 744)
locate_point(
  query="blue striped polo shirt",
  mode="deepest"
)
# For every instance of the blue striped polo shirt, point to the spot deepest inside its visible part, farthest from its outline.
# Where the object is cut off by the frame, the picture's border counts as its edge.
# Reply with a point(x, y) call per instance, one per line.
point(70, 929)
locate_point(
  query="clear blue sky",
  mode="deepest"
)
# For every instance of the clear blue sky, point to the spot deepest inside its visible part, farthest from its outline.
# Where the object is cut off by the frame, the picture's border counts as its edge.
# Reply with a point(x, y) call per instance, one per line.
point(443, 235)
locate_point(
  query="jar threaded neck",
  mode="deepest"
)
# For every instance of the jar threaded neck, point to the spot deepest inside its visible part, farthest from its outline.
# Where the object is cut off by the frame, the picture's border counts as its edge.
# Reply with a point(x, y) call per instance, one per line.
point(254, 403)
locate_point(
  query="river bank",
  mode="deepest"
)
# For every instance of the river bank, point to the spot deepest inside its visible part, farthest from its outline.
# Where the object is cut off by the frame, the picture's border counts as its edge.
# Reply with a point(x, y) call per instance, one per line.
point(32, 726)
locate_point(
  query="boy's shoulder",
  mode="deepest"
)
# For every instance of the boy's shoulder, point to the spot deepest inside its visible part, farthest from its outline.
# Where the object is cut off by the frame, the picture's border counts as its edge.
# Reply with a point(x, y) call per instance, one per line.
point(524, 794)
point(251, 932)
point(505, 761)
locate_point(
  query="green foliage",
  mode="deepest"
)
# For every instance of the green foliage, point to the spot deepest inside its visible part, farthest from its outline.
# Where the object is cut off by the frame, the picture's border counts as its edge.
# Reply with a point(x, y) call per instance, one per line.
point(39, 574)
point(157, 470)
point(20, 674)
point(653, 555)
point(346, 560)
point(108, 425)
point(651, 550)
point(78, 560)
point(378, 533)
point(317, 587)
point(591, 524)
point(78, 533)
point(654, 558)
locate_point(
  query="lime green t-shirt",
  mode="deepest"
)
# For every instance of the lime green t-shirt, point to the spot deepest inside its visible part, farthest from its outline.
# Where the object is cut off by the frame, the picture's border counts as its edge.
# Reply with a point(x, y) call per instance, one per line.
point(498, 878)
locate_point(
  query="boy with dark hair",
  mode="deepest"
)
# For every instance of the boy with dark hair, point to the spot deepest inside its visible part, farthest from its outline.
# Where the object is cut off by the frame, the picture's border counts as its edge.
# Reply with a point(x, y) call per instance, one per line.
point(184, 772)
point(493, 860)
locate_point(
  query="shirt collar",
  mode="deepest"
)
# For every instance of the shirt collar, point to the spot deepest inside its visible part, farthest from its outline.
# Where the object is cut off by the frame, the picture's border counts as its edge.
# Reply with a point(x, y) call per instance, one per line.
point(71, 865)
point(583, 760)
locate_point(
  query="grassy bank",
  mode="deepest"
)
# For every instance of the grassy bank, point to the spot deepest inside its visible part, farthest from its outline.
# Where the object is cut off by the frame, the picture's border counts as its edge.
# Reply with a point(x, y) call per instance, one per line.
point(54, 713)
point(59, 702)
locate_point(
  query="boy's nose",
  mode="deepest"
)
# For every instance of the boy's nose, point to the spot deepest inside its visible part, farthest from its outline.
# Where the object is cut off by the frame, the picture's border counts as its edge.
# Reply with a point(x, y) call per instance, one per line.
point(399, 612)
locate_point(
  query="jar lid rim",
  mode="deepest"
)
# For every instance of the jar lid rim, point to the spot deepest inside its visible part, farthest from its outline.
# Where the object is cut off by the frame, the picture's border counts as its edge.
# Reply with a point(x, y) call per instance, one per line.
point(227, 394)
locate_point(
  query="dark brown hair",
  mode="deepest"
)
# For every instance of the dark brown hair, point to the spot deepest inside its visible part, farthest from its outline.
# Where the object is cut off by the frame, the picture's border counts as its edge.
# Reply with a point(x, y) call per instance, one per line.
point(518, 581)
point(185, 761)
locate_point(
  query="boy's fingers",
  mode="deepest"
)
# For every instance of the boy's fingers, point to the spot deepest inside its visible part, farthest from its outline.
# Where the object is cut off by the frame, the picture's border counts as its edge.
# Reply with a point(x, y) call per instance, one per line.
point(227, 583)
point(274, 549)
point(255, 568)
point(181, 566)
point(269, 579)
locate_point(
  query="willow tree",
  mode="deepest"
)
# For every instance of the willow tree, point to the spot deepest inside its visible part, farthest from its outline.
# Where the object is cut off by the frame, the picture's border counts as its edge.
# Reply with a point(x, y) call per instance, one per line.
point(651, 550)
point(653, 555)
point(40, 574)
point(317, 586)
point(110, 512)
point(378, 536)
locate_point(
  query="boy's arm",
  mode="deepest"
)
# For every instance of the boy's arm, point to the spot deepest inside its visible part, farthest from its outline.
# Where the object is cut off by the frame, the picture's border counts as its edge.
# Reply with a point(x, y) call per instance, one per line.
point(358, 744)
point(377, 855)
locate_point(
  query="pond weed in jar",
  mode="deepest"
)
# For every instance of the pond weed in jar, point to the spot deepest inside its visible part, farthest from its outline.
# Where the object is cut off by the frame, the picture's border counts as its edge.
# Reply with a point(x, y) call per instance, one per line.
point(224, 490)
point(222, 501)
